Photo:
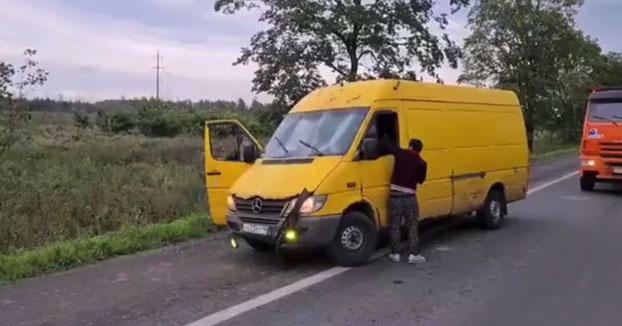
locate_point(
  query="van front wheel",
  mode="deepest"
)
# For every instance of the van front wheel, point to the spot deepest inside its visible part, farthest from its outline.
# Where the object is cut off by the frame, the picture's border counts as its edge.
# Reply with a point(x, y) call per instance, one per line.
point(354, 241)
point(491, 215)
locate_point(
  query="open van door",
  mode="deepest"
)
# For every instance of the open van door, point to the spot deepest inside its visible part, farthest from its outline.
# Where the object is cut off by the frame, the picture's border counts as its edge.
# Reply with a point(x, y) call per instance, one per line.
point(230, 150)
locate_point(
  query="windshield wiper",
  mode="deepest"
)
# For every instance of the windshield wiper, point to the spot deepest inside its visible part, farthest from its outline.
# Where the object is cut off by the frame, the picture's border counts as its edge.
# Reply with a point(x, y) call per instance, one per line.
point(597, 117)
point(619, 117)
point(311, 147)
point(281, 144)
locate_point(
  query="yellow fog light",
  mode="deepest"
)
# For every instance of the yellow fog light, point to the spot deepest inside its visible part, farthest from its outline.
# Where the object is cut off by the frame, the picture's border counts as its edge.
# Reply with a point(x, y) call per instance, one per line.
point(291, 235)
point(234, 243)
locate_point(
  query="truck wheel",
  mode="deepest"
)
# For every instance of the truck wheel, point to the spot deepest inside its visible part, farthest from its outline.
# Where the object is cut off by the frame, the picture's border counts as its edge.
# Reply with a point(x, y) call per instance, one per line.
point(491, 216)
point(354, 241)
point(587, 183)
point(258, 245)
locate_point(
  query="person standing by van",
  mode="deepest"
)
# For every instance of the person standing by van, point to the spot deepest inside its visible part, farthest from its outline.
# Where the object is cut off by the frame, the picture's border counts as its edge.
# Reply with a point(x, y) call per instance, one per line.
point(409, 170)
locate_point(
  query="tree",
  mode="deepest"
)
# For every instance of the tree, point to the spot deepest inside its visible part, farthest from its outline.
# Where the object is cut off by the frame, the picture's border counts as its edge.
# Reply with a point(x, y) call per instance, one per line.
point(241, 105)
point(356, 39)
point(609, 70)
point(14, 111)
point(526, 46)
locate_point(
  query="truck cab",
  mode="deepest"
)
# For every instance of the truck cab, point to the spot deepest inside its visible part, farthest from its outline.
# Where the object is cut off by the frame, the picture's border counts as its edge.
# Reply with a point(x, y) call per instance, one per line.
point(601, 147)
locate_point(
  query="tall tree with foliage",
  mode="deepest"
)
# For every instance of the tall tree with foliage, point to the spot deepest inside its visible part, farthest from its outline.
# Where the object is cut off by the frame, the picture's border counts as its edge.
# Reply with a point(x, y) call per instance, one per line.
point(526, 46)
point(13, 110)
point(608, 72)
point(356, 39)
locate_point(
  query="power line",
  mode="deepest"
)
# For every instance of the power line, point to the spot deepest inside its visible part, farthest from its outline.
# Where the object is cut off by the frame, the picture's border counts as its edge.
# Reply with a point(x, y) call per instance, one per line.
point(157, 68)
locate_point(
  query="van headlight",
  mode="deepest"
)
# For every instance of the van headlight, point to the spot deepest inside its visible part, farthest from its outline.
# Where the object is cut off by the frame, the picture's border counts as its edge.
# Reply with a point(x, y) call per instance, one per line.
point(313, 204)
point(310, 205)
point(588, 163)
point(231, 203)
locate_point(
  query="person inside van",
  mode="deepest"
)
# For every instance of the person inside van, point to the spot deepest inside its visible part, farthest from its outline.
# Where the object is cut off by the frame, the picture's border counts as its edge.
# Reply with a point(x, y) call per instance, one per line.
point(409, 170)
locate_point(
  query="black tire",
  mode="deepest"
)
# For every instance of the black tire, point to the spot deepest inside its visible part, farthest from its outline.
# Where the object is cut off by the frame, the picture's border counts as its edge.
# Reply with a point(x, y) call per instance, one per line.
point(258, 244)
point(587, 183)
point(492, 215)
point(354, 241)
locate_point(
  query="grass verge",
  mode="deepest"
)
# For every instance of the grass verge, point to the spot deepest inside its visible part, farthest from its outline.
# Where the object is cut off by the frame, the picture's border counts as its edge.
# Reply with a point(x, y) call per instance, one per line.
point(61, 256)
point(555, 153)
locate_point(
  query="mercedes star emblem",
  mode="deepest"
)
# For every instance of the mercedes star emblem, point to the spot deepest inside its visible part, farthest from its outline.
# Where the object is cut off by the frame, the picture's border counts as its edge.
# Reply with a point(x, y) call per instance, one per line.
point(257, 206)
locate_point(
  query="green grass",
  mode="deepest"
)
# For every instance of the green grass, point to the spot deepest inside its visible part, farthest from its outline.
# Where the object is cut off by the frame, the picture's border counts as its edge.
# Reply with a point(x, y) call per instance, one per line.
point(66, 183)
point(65, 255)
point(569, 150)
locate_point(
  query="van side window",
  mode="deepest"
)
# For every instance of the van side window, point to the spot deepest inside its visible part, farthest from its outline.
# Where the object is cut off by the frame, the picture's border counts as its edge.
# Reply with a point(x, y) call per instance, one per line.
point(227, 142)
point(384, 127)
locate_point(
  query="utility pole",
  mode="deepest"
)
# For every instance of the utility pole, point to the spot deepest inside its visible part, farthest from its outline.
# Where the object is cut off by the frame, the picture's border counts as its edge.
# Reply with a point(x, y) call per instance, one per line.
point(157, 69)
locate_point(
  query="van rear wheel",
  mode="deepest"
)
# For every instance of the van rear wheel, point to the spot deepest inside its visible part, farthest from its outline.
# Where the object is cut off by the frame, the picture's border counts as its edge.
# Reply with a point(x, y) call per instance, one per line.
point(492, 215)
point(354, 241)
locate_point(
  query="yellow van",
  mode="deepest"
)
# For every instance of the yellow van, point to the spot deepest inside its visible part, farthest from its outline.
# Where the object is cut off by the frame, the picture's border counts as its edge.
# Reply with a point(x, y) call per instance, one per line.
point(320, 181)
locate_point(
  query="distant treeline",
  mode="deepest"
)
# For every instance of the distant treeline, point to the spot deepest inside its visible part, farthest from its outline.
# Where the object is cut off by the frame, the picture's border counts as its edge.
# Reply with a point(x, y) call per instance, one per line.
point(163, 118)
point(60, 105)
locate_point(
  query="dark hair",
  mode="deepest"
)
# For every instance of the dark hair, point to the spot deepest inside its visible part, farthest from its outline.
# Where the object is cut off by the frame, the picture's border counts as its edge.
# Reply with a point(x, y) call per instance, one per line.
point(416, 145)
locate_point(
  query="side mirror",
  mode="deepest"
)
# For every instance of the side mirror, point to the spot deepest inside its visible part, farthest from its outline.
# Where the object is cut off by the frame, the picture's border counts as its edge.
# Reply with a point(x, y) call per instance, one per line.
point(371, 149)
point(249, 153)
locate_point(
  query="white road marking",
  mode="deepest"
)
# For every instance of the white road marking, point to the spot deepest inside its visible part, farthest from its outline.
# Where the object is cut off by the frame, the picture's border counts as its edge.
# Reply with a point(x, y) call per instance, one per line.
point(264, 299)
point(228, 313)
point(550, 183)
point(576, 198)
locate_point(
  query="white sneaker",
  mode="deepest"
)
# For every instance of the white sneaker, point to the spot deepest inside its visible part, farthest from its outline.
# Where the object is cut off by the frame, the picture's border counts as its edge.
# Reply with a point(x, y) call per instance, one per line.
point(394, 258)
point(412, 259)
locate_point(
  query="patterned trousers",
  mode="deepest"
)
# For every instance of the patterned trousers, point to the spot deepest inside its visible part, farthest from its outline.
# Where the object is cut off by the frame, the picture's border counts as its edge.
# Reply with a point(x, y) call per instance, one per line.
point(404, 207)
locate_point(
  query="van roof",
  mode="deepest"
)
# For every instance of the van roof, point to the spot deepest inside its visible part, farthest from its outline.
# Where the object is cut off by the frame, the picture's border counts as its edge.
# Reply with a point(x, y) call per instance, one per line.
point(365, 93)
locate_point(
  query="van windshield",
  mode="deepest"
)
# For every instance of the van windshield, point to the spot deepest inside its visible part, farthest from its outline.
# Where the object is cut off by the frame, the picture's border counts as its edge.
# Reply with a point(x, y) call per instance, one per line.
point(318, 133)
point(606, 110)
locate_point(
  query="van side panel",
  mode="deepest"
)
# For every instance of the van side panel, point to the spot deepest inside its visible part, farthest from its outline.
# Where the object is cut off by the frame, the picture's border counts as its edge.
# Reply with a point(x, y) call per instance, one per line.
point(488, 147)
point(469, 148)
point(426, 121)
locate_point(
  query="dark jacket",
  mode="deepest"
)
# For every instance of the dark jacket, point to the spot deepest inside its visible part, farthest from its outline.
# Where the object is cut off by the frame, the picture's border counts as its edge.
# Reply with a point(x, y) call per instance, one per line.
point(409, 168)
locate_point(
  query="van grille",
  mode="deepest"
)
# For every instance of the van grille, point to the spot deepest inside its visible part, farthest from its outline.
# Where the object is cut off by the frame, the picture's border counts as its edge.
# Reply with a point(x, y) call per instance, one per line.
point(268, 207)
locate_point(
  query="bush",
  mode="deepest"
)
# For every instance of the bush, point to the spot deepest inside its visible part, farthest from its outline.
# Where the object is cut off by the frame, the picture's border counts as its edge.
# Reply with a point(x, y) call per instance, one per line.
point(118, 122)
point(81, 120)
point(159, 121)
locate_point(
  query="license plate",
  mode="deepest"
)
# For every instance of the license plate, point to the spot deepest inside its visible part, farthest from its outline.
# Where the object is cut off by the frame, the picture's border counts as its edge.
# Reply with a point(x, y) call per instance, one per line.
point(617, 170)
point(256, 229)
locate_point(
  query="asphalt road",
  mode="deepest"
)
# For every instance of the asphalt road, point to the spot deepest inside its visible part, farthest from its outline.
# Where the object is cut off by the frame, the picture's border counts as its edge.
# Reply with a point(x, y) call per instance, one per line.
point(556, 262)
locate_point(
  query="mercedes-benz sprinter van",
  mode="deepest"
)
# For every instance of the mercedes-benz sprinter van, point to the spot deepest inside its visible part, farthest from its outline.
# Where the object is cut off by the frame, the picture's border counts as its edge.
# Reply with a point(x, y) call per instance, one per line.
point(322, 164)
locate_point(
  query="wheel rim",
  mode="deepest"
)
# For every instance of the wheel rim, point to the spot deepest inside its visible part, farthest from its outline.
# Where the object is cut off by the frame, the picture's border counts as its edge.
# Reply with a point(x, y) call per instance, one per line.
point(352, 238)
point(495, 209)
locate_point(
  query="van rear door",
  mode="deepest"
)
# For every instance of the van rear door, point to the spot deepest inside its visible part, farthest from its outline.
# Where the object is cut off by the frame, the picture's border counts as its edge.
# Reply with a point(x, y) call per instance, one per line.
point(225, 162)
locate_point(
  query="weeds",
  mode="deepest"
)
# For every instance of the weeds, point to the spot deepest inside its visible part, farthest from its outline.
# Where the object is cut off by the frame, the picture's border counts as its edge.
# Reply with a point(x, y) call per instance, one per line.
point(69, 183)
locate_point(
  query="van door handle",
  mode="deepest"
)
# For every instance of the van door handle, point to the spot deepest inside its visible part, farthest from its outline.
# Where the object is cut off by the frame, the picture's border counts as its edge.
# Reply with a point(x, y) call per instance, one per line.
point(214, 173)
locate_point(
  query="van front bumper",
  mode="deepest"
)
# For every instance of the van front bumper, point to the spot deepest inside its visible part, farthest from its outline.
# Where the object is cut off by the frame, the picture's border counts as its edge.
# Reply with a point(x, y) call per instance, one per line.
point(313, 231)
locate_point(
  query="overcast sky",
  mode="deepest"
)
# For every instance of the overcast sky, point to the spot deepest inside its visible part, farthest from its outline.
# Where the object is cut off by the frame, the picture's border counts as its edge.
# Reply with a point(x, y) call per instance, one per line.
point(106, 49)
